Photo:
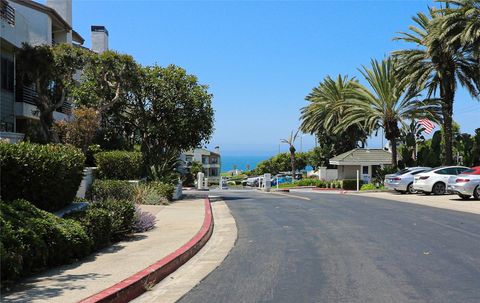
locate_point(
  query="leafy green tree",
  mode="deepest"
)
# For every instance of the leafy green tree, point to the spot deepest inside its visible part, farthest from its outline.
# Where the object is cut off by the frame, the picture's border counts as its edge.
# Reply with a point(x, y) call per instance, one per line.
point(429, 151)
point(50, 70)
point(386, 105)
point(464, 144)
point(476, 147)
point(170, 112)
point(437, 66)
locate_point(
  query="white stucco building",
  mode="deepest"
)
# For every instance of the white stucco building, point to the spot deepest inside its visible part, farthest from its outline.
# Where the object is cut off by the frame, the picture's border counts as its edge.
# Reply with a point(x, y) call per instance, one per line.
point(211, 162)
point(27, 21)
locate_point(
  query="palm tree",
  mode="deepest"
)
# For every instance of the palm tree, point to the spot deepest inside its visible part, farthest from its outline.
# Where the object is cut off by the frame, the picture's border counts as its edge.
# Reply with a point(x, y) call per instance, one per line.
point(460, 24)
point(290, 141)
point(435, 66)
point(325, 111)
point(386, 105)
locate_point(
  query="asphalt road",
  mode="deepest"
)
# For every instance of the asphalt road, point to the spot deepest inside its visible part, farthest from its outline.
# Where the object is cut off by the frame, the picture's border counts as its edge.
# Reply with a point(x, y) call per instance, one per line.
point(344, 248)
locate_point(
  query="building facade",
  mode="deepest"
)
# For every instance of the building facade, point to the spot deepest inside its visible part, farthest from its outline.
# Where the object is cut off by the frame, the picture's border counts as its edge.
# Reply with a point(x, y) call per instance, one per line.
point(211, 162)
point(26, 21)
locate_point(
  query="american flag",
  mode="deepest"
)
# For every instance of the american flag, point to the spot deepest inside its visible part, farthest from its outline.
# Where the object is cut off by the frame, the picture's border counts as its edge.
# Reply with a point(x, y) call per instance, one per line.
point(427, 124)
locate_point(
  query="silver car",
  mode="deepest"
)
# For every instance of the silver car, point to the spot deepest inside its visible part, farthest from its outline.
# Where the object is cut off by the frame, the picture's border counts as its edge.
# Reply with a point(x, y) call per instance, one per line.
point(465, 186)
point(402, 181)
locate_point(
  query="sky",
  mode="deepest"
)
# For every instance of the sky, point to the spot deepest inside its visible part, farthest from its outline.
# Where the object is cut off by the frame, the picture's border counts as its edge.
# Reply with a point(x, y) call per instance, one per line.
point(259, 58)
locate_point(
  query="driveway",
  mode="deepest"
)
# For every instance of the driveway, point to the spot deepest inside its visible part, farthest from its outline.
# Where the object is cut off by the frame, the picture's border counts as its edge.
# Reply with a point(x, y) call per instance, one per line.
point(452, 202)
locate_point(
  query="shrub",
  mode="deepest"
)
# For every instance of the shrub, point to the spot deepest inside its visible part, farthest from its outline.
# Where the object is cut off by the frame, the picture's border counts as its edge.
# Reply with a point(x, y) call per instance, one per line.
point(33, 239)
point(46, 175)
point(90, 155)
point(350, 184)
point(143, 220)
point(97, 223)
point(119, 165)
point(122, 214)
point(114, 189)
point(165, 190)
point(153, 193)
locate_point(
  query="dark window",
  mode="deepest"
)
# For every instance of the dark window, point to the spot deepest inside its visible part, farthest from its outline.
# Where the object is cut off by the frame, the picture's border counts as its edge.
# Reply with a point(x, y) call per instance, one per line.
point(7, 74)
point(441, 171)
point(461, 170)
point(365, 170)
point(418, 171)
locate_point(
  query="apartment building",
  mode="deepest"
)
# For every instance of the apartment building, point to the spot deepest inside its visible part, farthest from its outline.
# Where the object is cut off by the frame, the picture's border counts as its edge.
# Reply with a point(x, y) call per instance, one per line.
point(211, 162)
point(27, 21)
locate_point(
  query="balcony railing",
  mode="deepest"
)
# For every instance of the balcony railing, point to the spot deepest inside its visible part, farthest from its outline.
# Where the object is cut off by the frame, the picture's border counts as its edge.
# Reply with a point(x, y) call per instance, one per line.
point(7, 12)
point(29, 95)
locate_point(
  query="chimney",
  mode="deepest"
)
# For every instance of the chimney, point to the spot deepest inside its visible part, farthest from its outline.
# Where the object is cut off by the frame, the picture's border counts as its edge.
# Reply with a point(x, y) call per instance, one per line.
point(99, 38)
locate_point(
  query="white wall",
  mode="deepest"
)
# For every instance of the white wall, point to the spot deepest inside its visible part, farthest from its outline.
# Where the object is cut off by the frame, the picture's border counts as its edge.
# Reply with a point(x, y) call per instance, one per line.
point(31, 26)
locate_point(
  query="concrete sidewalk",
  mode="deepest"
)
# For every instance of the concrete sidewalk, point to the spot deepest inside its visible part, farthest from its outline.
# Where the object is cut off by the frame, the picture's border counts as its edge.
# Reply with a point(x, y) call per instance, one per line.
point(176, 224)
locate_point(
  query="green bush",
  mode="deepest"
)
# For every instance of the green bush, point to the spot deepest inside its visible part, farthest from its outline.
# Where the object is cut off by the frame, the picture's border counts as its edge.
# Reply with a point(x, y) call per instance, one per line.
point(33, 239)
point(97, 222)
point(114, 189)
point(122, 214)
point(90, 155)
point(350, 184)
point(153, 193)
point(119, 165)
point(46, 175)
point(165, 190)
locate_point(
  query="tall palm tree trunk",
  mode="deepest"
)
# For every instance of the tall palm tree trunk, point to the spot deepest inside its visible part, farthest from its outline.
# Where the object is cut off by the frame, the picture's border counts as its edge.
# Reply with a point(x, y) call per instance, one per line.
point(292, 161)
point(447, 113)
point(393, 143)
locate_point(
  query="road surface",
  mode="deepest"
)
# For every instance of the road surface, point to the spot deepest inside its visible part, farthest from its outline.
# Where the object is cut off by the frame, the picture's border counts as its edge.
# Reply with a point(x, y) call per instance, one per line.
point(311, 247)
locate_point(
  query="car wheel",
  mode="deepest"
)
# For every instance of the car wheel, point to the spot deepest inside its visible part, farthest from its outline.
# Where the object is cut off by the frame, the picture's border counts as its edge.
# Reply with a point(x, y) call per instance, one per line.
point(410, 189)
point(476, 193)
point(464, 197)
point(438, 188)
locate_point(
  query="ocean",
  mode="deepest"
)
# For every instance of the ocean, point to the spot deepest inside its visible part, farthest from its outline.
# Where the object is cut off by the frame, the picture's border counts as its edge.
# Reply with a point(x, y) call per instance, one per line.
point(241, 162)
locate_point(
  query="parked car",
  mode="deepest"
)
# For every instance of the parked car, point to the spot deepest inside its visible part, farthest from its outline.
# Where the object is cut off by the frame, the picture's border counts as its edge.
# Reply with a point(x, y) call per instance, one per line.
point(436, 180)
point(466, 184)
point(402, 181)
point(253, 181)
point(281, 179)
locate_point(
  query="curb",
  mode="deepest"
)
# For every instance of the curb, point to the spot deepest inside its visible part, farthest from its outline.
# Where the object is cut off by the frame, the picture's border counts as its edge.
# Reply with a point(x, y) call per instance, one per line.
point(137, 284)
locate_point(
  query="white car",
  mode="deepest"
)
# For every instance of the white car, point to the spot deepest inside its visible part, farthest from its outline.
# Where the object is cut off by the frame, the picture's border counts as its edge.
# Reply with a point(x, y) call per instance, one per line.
point(402, 181)
point(435, 180)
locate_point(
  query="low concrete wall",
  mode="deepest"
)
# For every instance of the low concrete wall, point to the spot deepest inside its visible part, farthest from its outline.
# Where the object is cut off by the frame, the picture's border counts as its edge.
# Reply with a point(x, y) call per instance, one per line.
point(87, 181)
point(178, 191)
point(327, 174)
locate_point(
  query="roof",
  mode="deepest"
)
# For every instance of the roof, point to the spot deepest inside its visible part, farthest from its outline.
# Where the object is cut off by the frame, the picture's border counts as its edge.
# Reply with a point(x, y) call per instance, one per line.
point(77, 37)
point(46, 9)
point(203, 150)
point(359, 156)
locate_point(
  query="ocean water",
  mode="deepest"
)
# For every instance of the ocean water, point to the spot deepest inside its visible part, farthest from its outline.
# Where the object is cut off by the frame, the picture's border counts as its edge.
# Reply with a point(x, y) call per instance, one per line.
point(241, 162)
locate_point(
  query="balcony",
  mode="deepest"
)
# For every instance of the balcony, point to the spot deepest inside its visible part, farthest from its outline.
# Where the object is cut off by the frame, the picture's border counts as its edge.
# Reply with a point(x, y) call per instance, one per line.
point(28, 95)
point(7, 12)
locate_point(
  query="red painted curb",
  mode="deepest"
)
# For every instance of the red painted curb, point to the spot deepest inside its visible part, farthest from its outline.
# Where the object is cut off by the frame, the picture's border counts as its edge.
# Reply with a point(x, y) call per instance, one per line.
point(337, 189)
point(135, 285)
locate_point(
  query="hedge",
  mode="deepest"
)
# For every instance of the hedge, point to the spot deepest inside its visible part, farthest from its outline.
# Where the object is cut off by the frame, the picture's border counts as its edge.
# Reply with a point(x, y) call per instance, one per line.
point(46, 175)
point(350, 184)
point(119, 165)
point(33, 239)
point(114, 189)
point(97, 223)
point(122, 213)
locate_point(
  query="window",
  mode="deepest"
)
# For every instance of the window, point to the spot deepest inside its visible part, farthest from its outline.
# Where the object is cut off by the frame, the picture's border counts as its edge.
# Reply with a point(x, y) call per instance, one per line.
point(418, 171)
point(365, 170)
point(7, 75)
point(461, 170)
